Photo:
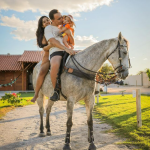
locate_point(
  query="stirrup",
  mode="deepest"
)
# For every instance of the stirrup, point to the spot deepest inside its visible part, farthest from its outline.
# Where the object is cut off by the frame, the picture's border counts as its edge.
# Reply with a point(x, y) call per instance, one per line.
point(55, 96)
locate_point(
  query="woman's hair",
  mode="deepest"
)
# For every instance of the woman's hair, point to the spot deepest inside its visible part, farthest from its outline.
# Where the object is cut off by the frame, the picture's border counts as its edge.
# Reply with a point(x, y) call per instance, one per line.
point(40, 32)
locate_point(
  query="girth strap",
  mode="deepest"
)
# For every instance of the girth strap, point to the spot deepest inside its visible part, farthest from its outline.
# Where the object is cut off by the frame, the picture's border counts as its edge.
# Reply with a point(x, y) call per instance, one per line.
point(79, 73)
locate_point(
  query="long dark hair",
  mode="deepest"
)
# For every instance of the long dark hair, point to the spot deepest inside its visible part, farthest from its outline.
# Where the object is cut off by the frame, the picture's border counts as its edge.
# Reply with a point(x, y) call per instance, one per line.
point(40, 32)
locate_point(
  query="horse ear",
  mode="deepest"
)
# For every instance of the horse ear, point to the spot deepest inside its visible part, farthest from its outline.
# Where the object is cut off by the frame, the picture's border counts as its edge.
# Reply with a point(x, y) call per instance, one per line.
point(120, 38)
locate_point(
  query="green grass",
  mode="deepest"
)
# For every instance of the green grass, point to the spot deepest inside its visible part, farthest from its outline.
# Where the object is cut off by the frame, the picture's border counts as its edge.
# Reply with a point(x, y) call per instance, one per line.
point(5, 106)
point(28, 94)
point(120, 112)
point(104, 92)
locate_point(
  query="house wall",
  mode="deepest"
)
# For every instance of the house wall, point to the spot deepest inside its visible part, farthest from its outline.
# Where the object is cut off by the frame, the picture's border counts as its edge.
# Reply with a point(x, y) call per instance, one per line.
point(140, 80)
point(134, 80)
point(146, 82)
point(6, 76)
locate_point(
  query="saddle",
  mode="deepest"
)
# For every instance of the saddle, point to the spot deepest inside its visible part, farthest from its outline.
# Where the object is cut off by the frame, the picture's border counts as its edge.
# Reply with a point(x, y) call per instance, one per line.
point(72, 71)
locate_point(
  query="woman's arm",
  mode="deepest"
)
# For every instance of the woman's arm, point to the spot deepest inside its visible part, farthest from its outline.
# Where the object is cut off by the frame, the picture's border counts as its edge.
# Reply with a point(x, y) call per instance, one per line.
point(46, 48)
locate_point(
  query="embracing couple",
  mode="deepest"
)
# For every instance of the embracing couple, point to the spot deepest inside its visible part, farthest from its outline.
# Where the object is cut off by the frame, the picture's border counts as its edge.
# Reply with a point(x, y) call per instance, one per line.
point(54, 35)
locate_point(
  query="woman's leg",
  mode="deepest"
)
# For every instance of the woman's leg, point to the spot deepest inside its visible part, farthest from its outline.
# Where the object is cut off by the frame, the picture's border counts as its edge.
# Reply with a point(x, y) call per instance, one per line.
point(43, 71)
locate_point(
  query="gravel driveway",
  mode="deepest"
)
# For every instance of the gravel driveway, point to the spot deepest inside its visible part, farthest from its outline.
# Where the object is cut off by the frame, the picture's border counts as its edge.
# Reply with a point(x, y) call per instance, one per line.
point(20, 128)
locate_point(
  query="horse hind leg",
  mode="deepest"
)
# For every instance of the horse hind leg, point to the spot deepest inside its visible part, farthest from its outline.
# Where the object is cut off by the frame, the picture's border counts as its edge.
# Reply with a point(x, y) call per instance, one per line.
point(40, 103)
point(48, 110)
point(70, 105)
point(89, 103)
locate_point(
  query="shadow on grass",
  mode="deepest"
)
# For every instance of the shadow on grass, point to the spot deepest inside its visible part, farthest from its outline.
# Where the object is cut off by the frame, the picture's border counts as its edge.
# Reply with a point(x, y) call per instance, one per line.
point(100, 103)
point(128, 128)
point(5, 106)
point(104, 98)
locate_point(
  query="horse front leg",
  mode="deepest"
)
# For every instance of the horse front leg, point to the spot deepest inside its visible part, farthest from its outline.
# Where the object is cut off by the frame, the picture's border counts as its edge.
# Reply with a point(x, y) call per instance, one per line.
point(48, 110)
point(89, 103)
point(41, 111)
point(70, 105)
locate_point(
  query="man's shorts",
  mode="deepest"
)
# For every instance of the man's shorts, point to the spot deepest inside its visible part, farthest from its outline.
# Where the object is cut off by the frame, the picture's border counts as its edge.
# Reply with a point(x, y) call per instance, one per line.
point(55, 51)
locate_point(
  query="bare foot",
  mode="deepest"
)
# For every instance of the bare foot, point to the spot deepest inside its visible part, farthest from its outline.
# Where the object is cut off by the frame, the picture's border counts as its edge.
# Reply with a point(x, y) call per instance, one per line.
point(34, 99)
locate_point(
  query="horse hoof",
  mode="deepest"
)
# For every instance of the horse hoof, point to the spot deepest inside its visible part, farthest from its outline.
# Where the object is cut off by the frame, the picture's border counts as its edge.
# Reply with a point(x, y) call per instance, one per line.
point(92, 147)
point(67, 147)
point(49, 133)
point(42, 134)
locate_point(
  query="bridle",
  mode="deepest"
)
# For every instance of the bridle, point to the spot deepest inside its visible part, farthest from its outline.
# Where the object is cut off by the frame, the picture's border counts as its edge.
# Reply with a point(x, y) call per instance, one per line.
point(120, 67)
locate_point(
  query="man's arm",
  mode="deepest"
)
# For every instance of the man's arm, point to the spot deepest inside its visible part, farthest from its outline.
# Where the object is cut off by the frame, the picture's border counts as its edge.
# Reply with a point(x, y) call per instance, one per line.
point(57, 44)
point(50, 38)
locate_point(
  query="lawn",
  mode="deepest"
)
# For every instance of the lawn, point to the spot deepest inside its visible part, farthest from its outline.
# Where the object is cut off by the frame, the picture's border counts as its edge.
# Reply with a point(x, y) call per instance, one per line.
point(120, 112)
point(26, 94)
point(6, 107)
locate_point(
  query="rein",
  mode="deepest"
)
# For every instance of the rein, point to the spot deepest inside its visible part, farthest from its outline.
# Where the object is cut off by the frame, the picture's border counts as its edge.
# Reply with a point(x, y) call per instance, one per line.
point(90, 77)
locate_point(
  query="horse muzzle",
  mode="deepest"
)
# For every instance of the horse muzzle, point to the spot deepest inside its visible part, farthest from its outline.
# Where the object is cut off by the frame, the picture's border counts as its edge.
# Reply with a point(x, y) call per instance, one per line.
point(123, 74)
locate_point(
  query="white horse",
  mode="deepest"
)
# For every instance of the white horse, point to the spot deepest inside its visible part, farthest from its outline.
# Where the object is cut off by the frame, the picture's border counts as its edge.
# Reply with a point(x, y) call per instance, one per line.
point(76, 88)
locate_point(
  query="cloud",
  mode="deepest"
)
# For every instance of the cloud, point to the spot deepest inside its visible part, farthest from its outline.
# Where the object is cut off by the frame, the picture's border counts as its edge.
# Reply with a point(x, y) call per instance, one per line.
point(69, 6)
point(76, 14)
point(75, 20)
point(132, 57)
point(84, 41)
point(23, 30)
point(145, 59)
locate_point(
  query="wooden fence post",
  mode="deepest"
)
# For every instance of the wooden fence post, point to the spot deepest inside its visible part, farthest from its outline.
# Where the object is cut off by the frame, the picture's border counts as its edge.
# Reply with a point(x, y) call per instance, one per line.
point(138, 108)
point(97, 98)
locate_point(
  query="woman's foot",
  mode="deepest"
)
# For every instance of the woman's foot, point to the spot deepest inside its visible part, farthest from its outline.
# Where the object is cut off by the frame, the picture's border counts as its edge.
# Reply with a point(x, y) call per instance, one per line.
point(34, 99)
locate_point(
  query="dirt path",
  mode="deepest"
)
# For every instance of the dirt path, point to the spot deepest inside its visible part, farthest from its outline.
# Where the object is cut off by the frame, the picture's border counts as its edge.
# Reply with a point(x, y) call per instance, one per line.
point(20, 128)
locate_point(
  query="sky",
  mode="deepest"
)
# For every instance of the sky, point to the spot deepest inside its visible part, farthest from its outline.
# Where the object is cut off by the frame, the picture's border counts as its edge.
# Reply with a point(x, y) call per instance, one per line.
point(95, 20)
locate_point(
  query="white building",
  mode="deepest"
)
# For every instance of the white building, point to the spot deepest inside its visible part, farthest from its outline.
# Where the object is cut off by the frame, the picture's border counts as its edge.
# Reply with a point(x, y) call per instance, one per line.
point(138, 80)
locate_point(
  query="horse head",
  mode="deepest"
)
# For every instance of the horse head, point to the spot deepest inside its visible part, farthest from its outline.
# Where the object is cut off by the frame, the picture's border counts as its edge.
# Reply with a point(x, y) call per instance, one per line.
point(119, 58)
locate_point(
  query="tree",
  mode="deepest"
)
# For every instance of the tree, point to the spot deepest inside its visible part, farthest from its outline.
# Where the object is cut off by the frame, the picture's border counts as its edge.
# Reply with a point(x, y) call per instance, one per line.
point(104, 73)
point(106, 68)
point(139, 72)
point(148, 73)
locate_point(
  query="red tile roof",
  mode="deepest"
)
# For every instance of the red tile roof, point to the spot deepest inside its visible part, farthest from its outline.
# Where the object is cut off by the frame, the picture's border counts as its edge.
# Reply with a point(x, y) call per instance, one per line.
point(10, 62)
point(31, 56)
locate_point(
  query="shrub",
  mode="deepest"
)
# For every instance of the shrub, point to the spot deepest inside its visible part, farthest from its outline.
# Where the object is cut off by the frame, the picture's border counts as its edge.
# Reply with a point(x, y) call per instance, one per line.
point(11, 98)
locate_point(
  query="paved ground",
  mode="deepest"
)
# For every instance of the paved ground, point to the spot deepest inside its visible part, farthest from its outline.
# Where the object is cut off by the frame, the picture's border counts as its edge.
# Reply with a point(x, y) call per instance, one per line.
point(20, 128)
